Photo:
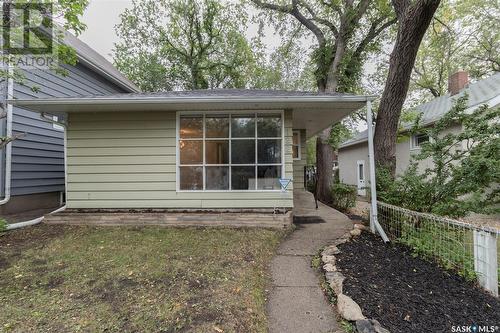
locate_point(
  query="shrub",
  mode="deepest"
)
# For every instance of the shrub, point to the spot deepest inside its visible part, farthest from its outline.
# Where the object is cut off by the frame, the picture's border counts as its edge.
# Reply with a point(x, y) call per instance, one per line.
point(464, 169)
point(343, 196)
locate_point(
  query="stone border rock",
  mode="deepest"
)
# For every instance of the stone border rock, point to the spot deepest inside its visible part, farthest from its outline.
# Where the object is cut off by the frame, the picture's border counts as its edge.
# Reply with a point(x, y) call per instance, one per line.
point(346, 306)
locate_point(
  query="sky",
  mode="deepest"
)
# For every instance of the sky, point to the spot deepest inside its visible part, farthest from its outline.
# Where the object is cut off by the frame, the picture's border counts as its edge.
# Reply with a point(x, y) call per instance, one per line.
point(101, 17)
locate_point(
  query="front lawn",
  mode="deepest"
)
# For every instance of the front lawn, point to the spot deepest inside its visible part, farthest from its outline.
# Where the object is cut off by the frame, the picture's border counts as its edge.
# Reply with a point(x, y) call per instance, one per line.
point(70, 279)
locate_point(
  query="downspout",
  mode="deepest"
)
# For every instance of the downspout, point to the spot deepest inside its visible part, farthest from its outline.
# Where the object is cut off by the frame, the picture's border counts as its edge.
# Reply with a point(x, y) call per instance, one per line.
point(8, 147)
point(34, 221)
point(40, 219)
point(373, 182)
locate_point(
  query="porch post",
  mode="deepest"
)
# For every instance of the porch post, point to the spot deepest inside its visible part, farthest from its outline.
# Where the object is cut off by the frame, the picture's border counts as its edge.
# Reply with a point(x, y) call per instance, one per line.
point(374, 225)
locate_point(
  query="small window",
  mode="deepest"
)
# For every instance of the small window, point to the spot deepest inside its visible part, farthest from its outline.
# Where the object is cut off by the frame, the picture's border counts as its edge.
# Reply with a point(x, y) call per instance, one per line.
point(361, 171)
point(296, 145)
point(417, 140)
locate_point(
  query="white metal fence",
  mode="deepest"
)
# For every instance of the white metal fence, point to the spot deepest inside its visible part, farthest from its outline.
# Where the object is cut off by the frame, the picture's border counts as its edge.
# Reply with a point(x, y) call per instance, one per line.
point(472, 251)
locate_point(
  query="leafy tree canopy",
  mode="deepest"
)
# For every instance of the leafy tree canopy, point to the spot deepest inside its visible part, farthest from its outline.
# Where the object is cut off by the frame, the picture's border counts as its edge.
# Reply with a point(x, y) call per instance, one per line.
point(185, 44)
point(464, 35)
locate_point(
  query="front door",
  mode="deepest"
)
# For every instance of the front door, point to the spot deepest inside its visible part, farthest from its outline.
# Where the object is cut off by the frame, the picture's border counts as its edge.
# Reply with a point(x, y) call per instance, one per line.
point(361, 178)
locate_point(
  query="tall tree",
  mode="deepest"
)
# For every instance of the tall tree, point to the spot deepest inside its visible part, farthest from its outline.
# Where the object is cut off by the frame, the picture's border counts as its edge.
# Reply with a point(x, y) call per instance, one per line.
point(462, 35)
point(414, 18)
point(344, 32)
point(184, 44)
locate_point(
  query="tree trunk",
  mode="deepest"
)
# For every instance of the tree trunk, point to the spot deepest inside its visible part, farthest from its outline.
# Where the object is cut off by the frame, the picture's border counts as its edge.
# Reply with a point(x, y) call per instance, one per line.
point(324, 167)
point(414, 19)
point(325, 153)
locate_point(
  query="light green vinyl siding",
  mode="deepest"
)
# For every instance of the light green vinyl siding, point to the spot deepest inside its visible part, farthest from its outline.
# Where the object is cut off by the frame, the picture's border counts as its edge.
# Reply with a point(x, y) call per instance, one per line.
point(298, 165)
point(128, 160)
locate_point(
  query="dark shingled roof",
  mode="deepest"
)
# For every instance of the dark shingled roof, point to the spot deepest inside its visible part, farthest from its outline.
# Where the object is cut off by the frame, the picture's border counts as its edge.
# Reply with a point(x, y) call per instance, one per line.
point(221, 93)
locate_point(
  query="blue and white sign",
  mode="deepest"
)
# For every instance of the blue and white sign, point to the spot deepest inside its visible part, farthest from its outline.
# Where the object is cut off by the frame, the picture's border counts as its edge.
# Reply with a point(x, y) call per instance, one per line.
point(284, 182)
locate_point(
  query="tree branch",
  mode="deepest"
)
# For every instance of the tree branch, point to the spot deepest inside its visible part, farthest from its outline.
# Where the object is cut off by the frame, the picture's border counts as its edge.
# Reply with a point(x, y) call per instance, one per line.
point(373, 33)
point(320, 36)
point(286, 9)
point(293, 10)
point(320, 20)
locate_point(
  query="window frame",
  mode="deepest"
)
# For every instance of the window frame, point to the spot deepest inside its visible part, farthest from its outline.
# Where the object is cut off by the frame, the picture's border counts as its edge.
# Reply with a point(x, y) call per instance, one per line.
point(204, 114)
point(299, 145)
point(413, 141)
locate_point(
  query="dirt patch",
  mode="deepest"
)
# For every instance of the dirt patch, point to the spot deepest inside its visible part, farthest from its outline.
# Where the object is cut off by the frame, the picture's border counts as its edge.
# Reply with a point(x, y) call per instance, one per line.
point(13, 243)
point(54, 282)
point(33, 236)
point(114, 291)
point(408, 294)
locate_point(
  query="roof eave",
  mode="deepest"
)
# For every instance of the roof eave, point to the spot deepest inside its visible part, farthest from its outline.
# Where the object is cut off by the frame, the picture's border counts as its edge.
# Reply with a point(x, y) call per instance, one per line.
point(103, 100)
point(127, 86)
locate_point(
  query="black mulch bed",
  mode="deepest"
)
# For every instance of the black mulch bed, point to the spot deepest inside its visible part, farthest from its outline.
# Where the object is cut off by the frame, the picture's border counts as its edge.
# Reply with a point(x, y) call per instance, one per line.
point(408, 294)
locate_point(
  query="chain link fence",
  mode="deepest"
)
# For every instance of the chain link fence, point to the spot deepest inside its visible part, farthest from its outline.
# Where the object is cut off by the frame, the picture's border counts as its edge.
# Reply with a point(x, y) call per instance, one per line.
point(472, 251)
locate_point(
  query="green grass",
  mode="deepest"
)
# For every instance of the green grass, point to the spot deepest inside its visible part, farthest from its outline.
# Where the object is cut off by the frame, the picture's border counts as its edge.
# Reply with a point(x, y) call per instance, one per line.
point(83, 279)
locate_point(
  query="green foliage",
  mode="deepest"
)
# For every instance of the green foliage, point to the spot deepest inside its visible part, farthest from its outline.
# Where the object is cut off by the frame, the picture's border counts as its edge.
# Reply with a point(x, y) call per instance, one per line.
point(3, 225)
point(67, 14)
point(185, 44)
point(347, 326)
point(344, 34)
point(432, 240)
point(338, 134)
point(284, 69)
point(463, 35)
point(456, 172)
point(343, 196)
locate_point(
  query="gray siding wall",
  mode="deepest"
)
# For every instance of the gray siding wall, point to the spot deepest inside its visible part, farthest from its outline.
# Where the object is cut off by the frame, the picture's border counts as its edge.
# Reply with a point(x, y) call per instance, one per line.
point(349, 156)
point(38, 158)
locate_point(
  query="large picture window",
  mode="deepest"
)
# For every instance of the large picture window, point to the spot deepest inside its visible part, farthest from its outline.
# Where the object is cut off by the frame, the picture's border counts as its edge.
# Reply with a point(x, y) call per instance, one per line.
point(224, 152)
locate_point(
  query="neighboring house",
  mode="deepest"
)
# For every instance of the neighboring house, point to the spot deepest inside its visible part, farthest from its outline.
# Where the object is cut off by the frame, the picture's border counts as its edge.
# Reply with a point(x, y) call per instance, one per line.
point(193, 150)
point(37, 176)
point(353, 154)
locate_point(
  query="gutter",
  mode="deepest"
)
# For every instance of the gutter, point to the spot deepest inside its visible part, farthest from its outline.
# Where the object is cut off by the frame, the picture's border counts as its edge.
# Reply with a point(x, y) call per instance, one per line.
point(8, 147)
point(103, 100)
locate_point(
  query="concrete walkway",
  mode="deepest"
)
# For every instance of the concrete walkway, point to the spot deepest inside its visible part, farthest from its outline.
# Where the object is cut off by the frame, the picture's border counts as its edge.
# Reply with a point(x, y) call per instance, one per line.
point(296, 302)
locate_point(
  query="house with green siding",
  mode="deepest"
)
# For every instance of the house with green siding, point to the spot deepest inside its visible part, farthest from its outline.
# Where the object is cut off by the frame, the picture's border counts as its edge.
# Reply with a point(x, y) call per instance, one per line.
point(196, 151)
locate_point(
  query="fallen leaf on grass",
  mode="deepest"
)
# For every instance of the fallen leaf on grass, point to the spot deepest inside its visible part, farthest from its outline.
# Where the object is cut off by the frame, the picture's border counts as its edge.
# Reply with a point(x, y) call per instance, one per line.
point(217, 329)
